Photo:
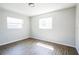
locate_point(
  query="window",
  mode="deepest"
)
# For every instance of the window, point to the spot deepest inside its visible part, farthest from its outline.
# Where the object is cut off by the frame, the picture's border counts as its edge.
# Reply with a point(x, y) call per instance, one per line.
point(14, 23)
point(45, 23)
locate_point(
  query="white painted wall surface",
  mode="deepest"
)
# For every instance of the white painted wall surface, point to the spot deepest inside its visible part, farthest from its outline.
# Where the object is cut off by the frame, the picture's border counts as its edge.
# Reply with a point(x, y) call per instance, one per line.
point(77, 28)
point(63, 29)
point(12, 35)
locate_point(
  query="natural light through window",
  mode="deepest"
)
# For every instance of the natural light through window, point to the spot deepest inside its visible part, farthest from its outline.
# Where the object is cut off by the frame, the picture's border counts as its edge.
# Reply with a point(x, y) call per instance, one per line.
point(14, 23)
point(45, 46)
point(45, 23)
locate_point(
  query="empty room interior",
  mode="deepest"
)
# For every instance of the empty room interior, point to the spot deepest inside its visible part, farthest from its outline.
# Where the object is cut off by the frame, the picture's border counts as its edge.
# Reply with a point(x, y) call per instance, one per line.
point(39, 29)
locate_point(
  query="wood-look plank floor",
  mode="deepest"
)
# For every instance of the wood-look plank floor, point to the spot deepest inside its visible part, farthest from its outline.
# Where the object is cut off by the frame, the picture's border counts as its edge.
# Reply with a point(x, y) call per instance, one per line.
point(36, 47)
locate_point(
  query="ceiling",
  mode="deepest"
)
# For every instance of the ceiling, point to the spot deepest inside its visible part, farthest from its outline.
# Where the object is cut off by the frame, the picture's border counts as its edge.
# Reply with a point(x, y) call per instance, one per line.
point(39, 8)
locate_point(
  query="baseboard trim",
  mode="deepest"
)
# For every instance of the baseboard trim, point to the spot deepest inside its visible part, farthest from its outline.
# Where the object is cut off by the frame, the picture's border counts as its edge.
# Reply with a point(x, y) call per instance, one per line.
point(13, 41)
point(55, 42)
point(34, 38)
point(77, 51)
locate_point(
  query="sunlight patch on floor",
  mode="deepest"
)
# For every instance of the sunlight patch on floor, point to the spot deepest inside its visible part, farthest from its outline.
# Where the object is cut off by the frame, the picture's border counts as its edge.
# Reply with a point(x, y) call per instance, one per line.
point(45, 46)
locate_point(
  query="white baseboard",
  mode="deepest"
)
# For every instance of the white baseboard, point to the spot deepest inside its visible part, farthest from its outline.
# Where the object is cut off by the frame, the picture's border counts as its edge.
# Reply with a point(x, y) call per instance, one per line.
point(77, 50)
point(13, 41)
point(55, 42)
point(35, 38)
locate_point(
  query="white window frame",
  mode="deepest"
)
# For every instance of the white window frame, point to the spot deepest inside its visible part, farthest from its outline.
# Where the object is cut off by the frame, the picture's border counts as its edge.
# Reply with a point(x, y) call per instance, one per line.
point(45, 23)
point(14, 23)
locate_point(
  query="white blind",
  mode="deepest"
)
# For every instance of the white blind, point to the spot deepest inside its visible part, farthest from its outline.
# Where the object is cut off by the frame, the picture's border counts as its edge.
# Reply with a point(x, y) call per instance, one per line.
point(14, 23)
point(45, 23)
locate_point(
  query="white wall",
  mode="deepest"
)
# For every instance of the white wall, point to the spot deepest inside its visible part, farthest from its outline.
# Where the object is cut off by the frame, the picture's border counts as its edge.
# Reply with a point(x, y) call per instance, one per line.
point(11, 35)
point(63, 31)
point(77, 27)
